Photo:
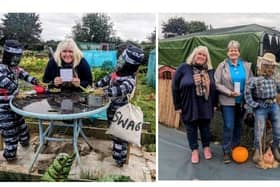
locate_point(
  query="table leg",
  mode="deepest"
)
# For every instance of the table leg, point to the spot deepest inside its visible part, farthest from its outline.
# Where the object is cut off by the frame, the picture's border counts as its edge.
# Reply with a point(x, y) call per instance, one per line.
point(83, 134)
point(75, 141)
point(39, 149)
point(50, 129)
point(47, 133)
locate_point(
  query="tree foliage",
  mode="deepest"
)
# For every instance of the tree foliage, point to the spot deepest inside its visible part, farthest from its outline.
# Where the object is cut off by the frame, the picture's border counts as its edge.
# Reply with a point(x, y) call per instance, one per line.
point(176, 26)
point(25, 27)
point(179, 26)
point(115, 41)
point(95, 27)
point(152, 37)
point(196, 26)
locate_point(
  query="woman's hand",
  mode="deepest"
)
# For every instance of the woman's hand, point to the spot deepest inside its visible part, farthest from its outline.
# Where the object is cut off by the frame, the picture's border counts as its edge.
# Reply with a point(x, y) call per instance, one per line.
point(57, 81)
point(197, 79)
point(76, 82)
point(41, 84)
point(234, 94)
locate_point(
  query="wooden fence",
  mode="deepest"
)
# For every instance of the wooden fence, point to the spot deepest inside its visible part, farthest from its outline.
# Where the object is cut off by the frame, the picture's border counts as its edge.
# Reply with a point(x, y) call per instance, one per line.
point(166, 111)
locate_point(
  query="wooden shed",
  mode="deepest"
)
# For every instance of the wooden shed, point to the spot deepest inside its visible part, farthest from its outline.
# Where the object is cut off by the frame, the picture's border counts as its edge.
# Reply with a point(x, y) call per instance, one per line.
point(166, 111)
point(166, 72)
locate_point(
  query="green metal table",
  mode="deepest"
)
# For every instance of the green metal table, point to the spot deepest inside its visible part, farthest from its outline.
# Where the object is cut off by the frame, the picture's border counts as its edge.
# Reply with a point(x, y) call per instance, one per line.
point(57, 107)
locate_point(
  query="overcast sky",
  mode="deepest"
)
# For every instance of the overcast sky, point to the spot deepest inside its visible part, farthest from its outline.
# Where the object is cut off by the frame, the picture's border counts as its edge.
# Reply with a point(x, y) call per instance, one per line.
point(139, 26)
point(226, 20)
point(127, 26)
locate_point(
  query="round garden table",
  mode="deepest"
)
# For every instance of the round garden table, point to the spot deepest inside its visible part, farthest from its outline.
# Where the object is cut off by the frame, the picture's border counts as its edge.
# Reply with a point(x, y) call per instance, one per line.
point(58, 107)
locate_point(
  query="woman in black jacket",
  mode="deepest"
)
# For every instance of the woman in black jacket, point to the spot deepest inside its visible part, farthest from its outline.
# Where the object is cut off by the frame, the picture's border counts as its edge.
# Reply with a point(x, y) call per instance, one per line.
point(68, 56)
point(193, 90)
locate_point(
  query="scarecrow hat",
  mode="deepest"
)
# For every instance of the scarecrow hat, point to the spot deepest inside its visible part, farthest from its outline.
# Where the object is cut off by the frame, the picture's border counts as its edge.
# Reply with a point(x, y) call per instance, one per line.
point(133, 55)
point(13, 47)
point(268, 58)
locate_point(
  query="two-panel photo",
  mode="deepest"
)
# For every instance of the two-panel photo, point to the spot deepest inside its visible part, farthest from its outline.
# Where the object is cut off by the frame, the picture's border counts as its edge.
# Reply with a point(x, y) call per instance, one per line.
point(139, 97)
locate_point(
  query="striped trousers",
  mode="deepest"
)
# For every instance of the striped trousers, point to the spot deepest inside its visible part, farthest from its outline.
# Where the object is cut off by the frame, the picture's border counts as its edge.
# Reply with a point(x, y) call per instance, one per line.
point(119, 146)
point(13, 130)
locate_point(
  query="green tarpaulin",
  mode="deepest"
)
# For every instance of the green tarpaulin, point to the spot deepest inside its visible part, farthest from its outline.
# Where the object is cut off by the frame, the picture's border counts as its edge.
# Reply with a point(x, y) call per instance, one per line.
point(174, 51)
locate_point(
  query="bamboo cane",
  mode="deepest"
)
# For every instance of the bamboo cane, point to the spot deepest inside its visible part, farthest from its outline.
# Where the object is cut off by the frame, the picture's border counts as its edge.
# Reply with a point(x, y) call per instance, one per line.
point(264, 136)
point(260, 140)
point(128, 153)
point(1, 142)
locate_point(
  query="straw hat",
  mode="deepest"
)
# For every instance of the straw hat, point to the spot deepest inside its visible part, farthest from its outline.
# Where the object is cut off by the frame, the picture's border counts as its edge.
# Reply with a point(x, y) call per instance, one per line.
point(268, 58)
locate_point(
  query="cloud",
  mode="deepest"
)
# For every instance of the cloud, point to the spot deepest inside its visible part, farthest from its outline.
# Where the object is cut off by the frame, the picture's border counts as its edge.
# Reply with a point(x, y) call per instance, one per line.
point(133, 26)
point(58, 26)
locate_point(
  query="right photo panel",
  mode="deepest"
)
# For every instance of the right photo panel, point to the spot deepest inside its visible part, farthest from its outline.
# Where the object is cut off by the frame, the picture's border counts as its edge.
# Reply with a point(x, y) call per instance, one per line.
point(218, 96)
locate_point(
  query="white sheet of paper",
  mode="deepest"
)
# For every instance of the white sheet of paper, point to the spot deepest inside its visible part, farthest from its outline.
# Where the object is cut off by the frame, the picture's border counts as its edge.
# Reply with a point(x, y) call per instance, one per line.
point(237, 87)
point(66, 74)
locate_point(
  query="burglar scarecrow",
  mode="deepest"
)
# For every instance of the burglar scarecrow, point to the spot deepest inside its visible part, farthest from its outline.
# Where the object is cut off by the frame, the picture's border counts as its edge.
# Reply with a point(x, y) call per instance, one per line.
point(12, 125)
point(260, 94)
point(120, 84)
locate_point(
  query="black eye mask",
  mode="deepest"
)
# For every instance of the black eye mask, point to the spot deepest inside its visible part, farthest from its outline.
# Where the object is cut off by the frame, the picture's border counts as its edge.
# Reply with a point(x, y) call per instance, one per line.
point(15, 60)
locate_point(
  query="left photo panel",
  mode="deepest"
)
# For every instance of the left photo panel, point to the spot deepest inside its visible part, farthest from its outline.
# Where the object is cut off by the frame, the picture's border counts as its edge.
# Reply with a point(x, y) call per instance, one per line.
point(78, 97)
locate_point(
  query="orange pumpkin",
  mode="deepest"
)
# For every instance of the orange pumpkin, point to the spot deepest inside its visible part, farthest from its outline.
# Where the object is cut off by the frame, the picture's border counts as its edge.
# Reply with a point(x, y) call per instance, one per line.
point(240, 154)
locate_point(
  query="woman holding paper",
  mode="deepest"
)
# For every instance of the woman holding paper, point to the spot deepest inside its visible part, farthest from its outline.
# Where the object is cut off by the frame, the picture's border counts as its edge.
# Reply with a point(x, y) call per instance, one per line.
point(193, 90)
point(231, 76)
point(68, 69)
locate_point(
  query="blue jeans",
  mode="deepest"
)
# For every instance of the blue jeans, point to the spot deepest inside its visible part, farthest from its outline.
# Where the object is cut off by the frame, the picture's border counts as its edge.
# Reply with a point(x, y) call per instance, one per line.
point(261, 115)
point(232, 116)
point(204, 127)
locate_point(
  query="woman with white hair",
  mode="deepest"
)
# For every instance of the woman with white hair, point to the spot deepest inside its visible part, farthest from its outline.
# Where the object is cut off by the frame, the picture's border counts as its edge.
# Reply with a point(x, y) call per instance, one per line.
point(68, 56)
point(231, 76)
point(193, 89)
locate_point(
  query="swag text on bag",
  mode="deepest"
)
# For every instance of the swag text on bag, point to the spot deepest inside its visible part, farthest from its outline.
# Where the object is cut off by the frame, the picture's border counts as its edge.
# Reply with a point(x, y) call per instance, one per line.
point(126, 123)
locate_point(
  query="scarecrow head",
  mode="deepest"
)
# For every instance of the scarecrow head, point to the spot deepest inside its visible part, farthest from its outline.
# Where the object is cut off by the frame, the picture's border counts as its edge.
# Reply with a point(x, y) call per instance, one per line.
point(130, 60)
point(12, 52)
point(266, 65)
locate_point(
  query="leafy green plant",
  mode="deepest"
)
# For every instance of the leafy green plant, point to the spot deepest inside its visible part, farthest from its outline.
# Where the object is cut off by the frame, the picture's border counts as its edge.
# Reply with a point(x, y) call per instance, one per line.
point(107, 66)
point(115, 178)
point(34, 64)
point(151, 148)
point(98, 73)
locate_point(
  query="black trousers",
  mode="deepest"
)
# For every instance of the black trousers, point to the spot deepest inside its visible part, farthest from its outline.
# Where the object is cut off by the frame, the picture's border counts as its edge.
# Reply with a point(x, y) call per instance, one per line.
point(192, 132)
